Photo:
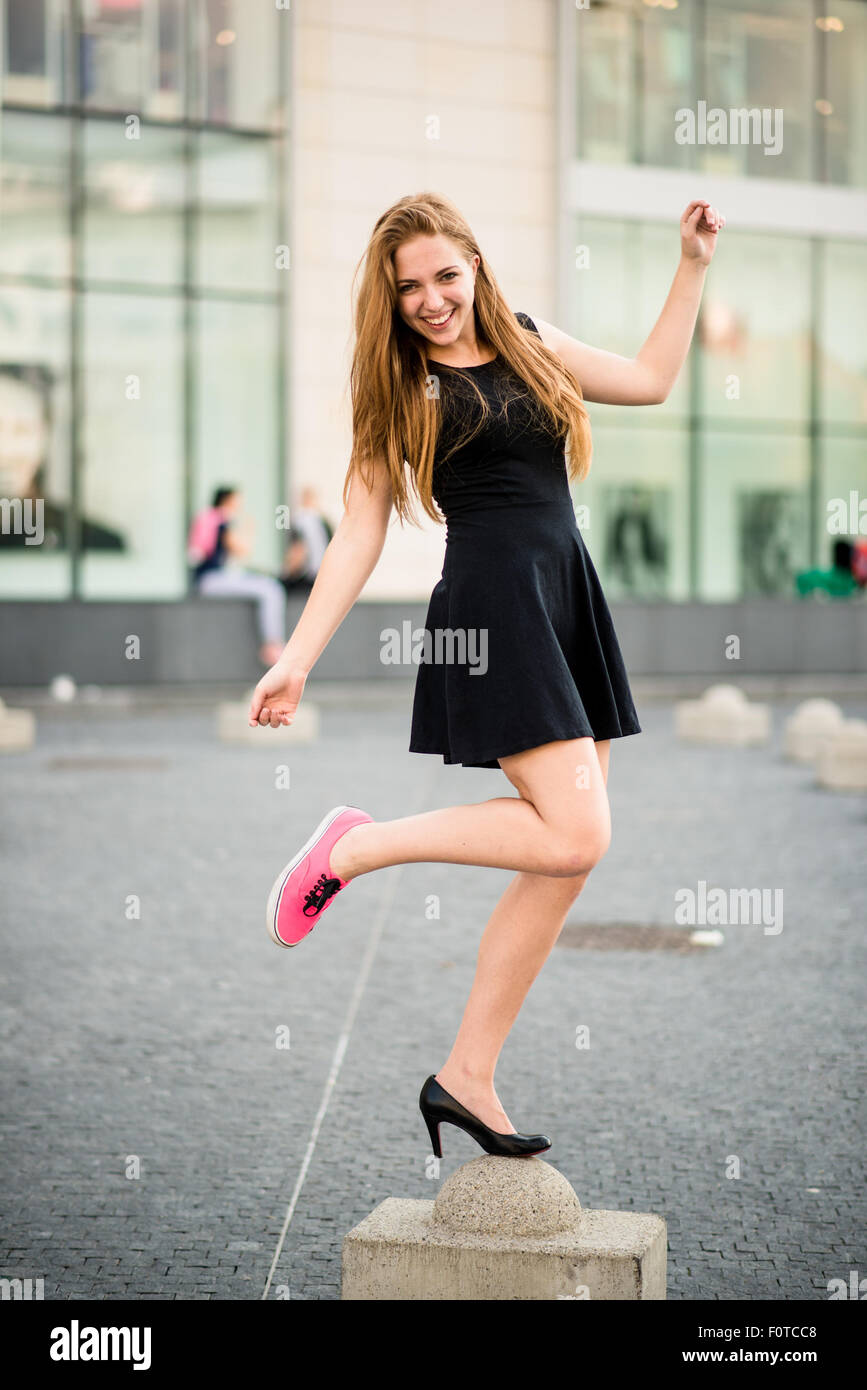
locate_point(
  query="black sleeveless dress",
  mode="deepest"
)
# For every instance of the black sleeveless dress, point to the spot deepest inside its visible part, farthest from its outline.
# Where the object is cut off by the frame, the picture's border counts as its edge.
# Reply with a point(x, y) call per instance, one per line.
point(519, 647)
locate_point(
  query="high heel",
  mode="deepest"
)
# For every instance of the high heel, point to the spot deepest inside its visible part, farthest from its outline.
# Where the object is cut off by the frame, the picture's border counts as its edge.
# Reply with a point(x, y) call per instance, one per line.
point(438, 1107)
point(433, 1129)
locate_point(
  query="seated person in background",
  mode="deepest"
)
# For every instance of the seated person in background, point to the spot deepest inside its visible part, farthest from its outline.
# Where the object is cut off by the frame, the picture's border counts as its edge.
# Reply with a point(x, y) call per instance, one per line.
point(296, 564)
point(314, 529)
point(215, 548)
point(838, 582)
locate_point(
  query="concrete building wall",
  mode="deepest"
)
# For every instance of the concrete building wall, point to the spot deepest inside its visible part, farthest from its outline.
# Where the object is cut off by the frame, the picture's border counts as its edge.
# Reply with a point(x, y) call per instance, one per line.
point(368, 75)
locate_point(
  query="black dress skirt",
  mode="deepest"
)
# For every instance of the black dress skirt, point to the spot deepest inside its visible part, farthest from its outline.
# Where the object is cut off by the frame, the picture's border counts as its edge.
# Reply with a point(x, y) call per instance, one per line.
point(519, 647)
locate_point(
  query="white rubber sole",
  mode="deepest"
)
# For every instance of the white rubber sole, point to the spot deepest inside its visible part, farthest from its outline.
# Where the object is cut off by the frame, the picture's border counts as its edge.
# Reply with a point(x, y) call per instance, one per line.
point(280, 881)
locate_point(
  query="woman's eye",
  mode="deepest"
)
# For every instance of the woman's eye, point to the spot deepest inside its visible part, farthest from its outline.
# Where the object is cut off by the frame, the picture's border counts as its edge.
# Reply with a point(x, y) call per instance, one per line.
point(449, 275)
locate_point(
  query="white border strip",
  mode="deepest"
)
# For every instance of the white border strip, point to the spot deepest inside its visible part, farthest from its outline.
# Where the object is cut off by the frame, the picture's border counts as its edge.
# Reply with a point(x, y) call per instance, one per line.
point(647, 193)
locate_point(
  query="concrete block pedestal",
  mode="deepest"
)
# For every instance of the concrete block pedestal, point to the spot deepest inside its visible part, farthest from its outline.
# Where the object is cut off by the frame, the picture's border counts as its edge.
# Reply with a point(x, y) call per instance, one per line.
point(503, 1228)
point(17, 729)
point(808, 728)
point(841, 762)
point(723, 715)
point(232, 726)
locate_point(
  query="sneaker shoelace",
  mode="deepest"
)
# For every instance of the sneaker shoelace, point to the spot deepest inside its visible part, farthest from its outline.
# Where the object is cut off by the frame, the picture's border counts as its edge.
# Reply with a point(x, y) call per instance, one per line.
point(323, 889)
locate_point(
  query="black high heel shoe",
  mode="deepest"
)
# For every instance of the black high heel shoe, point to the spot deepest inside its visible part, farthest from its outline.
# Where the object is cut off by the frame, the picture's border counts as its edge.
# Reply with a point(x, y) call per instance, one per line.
point(438, 1107)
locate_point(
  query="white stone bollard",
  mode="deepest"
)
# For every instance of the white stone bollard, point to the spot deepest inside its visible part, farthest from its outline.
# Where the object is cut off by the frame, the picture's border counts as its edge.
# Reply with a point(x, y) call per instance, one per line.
point(63, 689)
point(842, 760)
point(232, 726)
point(808, 727)
point(723, 715)
point(17, 729)
point(503, 1228)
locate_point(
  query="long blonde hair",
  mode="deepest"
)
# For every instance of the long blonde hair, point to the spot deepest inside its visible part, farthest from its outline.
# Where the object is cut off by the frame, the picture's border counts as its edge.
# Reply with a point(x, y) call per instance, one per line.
point(394, 415)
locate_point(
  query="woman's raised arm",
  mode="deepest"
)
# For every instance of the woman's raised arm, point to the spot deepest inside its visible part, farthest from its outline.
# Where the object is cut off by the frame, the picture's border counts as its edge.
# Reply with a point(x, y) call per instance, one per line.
point(647, 378)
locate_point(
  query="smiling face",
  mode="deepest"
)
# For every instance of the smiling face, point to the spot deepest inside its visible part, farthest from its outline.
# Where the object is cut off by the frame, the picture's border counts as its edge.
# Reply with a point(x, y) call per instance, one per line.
point(435, 291)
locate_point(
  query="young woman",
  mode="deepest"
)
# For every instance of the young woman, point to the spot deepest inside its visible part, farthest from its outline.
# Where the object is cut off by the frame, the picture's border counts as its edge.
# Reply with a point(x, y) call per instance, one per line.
point(480, 404)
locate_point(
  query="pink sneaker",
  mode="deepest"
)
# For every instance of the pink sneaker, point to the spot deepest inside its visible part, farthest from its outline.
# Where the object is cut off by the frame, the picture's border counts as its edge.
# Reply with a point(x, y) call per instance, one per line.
point(306, 885)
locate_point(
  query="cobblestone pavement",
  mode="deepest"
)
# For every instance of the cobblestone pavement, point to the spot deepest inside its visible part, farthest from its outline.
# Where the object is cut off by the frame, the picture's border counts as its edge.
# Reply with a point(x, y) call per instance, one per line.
point(155, 1039)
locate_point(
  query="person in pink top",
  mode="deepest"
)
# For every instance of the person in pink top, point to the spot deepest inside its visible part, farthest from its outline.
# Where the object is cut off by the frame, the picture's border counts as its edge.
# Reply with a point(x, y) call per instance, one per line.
point(472, 406)
point(216, 549)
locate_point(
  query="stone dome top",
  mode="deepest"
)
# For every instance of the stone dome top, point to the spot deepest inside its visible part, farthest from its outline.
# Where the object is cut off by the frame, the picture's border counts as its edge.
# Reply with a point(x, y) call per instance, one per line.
point(507, 1197)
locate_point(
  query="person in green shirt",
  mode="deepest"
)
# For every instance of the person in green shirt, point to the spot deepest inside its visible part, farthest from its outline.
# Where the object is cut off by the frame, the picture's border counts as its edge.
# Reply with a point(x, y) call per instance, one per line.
point(837, 582)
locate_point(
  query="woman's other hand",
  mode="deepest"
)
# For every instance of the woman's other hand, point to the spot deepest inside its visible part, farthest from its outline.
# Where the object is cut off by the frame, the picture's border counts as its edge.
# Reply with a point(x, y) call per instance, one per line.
point(277, 696)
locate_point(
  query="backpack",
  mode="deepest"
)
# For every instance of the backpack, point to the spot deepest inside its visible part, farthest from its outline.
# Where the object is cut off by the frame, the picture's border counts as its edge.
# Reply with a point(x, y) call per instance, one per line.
point(202, 539)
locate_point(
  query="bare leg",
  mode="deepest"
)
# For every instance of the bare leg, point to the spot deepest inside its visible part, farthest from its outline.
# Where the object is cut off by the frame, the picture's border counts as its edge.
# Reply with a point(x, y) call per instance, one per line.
point(561, 829)
point(515, 945)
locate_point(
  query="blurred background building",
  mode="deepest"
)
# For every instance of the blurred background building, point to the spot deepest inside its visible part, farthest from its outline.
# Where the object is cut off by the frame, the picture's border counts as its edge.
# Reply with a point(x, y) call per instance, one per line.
point(188, 185)
point(142, 316)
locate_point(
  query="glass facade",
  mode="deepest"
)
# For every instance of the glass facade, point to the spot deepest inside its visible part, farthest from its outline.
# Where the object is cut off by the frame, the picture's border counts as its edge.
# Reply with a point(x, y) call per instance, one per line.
point(640, 62)
point(723, 490)
point(142, 292)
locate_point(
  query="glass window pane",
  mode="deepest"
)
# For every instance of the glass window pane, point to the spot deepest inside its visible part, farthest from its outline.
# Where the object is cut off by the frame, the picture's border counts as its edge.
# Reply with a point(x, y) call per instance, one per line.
point(236, 416)
point(237, 230)
point(638, 64)
point(842, 473)
point(606, 38)
point(35, 50)
point(666, 81)
point(34, 442)
point(637, 502)
point(753, 508)
point(755, 329)
point(34, 166)
point(237, 51)
point(133, 446)
point(131, 56)
point(758, 55)
point(134, 199)
point(844, 111)
point(166, 89)
point(599, 299)
point(111, 56)
point(842, 336)
point(621, 277)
